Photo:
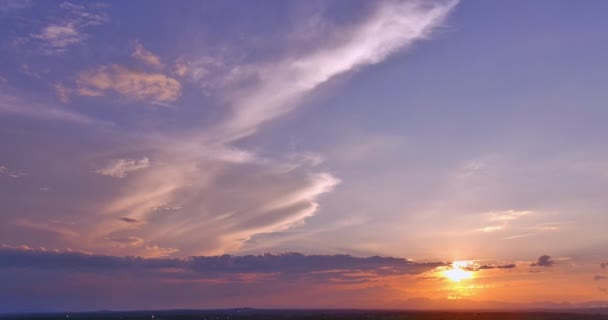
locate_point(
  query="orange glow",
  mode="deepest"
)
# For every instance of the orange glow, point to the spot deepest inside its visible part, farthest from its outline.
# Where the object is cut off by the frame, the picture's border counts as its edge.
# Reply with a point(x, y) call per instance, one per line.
point(458, 271)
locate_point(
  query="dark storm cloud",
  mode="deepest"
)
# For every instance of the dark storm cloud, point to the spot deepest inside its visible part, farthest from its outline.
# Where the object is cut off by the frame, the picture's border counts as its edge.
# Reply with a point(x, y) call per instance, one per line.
point(322, 266)
point(489, 266)
point(129, 220)
point(543, 261)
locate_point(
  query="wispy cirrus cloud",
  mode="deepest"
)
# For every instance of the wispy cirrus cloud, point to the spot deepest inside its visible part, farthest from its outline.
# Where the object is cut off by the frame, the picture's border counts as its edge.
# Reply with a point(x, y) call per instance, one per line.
point(393, 26)
point(4, 170)
point(208, 194)
point(13, 105)
point(57, 37)
point(120, 168)
point(504, 218)
point(200, 169)
point(46, 226)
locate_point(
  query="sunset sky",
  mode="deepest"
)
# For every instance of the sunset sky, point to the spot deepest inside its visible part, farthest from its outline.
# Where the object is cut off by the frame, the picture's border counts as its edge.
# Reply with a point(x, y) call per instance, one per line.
point(303, 154)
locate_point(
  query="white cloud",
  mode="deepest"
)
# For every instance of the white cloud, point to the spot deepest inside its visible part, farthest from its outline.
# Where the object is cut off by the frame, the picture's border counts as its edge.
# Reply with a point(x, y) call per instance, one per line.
point(504, 217)
point(225, 194)
point(492, 228)
point(11, 173)
point(394, 26)
point(119, 168)
point(508, 215)
point(57, 37)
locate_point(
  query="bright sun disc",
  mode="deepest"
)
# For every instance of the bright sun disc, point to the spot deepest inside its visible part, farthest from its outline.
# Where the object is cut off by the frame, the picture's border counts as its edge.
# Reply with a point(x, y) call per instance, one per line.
point(458, 272)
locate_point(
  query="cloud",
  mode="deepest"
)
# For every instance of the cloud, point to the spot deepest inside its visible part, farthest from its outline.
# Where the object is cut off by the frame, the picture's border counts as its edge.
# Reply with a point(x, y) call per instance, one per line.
point(127, 241)
point(604, 265)
point(146, 56)
point(119, 168)
point(141, 86)
point(14, 5)
point(129, 220)
point(476, 267)
point(57, 37)
point(491, 228)
point(208, 194)
point(599, 277)
point(63, 92)
point(393, 26)
point(12, 105)
point(214, 266)
point(543, 261)
point(508, 215)
point(505, 217)
point(44, 226)
point(4, 170)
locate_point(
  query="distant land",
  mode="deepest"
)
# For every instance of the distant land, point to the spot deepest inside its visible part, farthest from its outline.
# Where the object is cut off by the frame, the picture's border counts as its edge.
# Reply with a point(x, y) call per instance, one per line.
point(247, 313)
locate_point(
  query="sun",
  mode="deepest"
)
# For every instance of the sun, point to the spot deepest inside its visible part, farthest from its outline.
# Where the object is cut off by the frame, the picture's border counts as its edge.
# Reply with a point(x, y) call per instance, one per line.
point(458, 272)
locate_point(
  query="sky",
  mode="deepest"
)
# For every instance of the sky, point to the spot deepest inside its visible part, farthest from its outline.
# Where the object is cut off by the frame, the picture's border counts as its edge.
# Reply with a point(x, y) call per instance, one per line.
point(302, 154)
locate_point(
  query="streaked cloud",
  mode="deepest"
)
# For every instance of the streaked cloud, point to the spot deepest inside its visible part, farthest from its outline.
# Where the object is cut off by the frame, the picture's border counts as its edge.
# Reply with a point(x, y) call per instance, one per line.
point(120, 168)
point(508, 215)
point(55, 228)
point(156, 88)
point(504, 218)
point(266, 194)
point(4, 170)
point(13, 105)
point(492, 228)
point(288, 264)
point(392, 27)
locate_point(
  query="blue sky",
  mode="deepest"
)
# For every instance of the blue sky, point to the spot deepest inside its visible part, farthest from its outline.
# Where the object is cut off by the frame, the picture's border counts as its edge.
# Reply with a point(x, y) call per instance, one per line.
point(437, 131)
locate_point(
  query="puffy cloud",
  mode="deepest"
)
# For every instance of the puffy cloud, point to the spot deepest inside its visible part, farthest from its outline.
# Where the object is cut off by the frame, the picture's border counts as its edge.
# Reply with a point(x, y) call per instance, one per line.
point(543, 261)
point(154, 87)
point(119, 168)
point(146, 56)
point(57, 37)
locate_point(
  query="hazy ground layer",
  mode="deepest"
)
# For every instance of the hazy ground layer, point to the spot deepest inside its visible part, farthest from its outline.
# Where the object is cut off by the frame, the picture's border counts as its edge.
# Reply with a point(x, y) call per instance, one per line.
point(316, 314)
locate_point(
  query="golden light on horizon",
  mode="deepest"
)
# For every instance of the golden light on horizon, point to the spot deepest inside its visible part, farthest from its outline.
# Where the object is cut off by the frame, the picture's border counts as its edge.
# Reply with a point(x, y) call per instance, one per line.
point(458, 271)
